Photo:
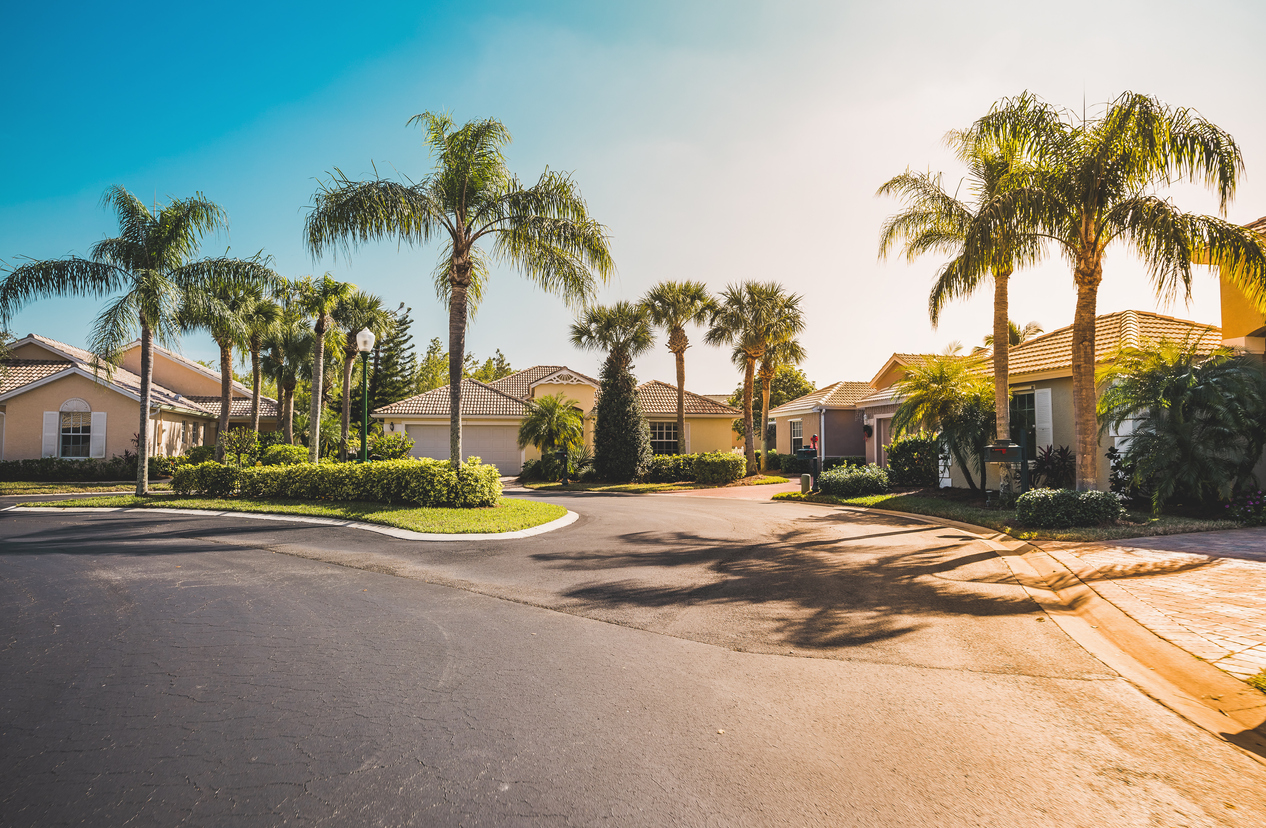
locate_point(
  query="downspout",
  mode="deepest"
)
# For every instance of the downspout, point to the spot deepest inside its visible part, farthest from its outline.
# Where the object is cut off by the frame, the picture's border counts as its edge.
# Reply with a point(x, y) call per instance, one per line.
point(821, 412)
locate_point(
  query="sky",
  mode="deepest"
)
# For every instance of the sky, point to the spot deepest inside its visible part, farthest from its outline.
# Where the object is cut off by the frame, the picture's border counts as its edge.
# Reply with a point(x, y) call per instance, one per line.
point(719, 141)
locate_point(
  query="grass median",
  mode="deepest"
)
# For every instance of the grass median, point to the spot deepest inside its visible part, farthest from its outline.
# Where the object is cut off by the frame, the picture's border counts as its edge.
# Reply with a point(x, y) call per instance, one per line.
point(649, 488)
point(24, 488)
point(509, 515)
point(1133, 525)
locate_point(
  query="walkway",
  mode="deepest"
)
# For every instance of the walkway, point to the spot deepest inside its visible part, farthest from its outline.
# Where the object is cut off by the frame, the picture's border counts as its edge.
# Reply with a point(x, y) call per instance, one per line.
point(1205, 592)
point(765, 492)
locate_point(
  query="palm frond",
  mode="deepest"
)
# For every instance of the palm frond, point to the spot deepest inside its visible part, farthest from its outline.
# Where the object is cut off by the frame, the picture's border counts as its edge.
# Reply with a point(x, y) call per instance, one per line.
point(58, 277)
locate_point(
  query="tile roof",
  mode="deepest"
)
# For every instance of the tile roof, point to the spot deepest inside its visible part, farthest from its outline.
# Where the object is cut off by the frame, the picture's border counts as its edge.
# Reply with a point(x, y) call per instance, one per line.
point(837, 395)
point(478, 400)
point(189, 363)
point(1053, 351)
point(519, 384)
point(14, 373)
point(1258, 226)
point(659, 399)
point(239, 406)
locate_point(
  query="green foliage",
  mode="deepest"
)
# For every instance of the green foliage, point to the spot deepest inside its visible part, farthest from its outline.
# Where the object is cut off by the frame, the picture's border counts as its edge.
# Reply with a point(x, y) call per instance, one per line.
point(854, 481)
point(492, 369)
point(390, 446)
point(392, 376)
point(948, 394)
point(424, 482)
point(773, 461)
point(240, 446)
point(1055, 468)
point(284, 455)
point(551, 423)
point(1248, 509)
point(789, 383)
point(671, 468)
point(793, 465)
point(60, 470)
point(716, 468)
point(1199, 419)
point(1064, 508)
point(1258, 680)
point(200, 454)
point(622, 438)
point(914, 460)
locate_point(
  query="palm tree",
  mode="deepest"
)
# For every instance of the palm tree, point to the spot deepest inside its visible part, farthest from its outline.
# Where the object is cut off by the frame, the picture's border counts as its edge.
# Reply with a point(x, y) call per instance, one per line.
point(150, 263)
point(543, 230)
point(1016, 335)
point(939, 221)
point(622, 330)
point(289, 347)
point(948, 394)
point(1095, 184)
point(672, 306)
point(552, 422)
point(778, 354)
point(358, 312)
point(752, 317)
point(260, 316)
point(318, 298)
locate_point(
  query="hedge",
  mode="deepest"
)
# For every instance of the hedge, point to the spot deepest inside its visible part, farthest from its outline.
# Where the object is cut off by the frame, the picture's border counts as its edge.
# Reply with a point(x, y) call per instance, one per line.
point(790, 464)
point(719, 467)
point(61, 470)
point(1065, 508)
point(914, 461)
point(854, 481)
point(284, 454)
point(671, 468)
point(424, 482)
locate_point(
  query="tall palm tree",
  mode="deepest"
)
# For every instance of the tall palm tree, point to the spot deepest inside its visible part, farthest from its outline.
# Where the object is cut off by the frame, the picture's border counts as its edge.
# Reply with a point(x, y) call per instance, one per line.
point(751, 317)
point(319, 298)
point(150, 262)
point(1095, 184)
point(937, 221)
point(779, 353)
point(622, 330)
point(360, 311)
point(672, 306)
point(260, 316)
point(544, 230)
point(289, 347)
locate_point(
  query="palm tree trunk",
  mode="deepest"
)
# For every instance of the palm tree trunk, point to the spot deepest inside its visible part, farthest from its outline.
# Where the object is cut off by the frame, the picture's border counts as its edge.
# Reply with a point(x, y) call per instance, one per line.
point(256, 383)
point(1085, 427)
point(226, 396)
point(456, 359)
point(749, 448)
point(681, 401)
point(318, 368)
point(288, 413)
point(147, 379)
point(1001, 348)
point(766, 379)
point(349, 362)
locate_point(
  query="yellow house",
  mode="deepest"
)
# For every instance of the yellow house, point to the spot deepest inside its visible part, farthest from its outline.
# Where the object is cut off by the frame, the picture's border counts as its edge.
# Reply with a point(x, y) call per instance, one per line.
point(492, 412)
point(1243, 323)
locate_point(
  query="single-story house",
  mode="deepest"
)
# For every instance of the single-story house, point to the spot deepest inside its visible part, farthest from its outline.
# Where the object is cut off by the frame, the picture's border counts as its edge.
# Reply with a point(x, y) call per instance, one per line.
point(55, 403)
point(829, 412)
point(492, 412)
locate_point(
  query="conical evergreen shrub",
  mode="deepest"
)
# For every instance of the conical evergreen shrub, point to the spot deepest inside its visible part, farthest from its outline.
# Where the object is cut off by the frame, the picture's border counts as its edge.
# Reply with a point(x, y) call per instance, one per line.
point(621, 439)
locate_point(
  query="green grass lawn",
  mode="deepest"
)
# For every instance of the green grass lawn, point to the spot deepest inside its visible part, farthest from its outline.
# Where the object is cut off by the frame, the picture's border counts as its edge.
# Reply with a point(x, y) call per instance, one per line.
point(1134, 525)
point(508, 515)
point(67, 488)
point(648, 488)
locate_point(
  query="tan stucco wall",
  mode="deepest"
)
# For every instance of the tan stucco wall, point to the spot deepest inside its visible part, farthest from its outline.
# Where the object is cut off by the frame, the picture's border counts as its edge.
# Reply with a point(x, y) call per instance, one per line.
point(710, 434)
point(1239, 316)
point(582, 394)
point(33, 351)
point(176, 375)
point(24, 415)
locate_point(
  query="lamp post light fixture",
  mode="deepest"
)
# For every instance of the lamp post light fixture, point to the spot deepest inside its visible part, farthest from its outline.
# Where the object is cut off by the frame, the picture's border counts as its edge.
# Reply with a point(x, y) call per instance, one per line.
point(364, 344)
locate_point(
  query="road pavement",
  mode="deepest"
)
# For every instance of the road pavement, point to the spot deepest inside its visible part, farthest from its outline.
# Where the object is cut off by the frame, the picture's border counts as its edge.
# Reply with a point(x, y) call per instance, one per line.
point(664, 660)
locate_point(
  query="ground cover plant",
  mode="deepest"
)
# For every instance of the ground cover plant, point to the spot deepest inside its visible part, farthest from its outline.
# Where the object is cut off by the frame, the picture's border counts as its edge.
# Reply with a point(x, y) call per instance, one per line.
point(505, 515)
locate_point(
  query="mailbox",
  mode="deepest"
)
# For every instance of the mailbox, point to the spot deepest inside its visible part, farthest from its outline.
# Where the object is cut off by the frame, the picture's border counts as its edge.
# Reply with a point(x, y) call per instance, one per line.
point(1003, 453)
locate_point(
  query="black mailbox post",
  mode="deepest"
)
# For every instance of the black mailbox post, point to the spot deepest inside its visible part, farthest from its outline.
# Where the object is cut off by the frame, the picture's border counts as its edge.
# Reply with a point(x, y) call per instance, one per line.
point(1005, 451)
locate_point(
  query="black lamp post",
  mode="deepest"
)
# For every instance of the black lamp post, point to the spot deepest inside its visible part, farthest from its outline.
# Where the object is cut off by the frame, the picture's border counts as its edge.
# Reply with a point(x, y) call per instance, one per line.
point(364, 344)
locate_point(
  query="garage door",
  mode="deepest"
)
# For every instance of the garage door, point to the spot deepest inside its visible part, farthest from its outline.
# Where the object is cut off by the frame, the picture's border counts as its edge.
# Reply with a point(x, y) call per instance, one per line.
point(495, 445)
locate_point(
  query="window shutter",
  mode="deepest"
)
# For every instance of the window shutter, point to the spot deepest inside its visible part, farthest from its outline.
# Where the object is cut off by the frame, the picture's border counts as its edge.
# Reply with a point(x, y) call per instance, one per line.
point(686, 440)
point(1042, 418)
point(52, 423)
point(96, 440)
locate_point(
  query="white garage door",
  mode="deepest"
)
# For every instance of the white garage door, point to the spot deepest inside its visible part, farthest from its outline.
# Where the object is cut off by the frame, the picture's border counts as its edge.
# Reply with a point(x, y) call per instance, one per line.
point(495, 445)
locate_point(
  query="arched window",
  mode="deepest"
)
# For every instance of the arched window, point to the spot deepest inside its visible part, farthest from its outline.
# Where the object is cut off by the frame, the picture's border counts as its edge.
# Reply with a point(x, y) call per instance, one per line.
point(76, 428)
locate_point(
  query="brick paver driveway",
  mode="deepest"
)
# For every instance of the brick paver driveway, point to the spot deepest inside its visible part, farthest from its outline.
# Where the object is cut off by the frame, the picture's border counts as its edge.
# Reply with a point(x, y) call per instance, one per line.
point(1205, 592)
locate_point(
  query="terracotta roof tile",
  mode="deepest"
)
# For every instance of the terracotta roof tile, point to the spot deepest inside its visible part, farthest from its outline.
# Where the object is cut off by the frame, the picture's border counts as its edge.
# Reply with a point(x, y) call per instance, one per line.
point(193, 364)
point(1053, 351)
point(239, 406)
point(14, 373)
point(478, 400)
point(836, 395)
point(659, 399)
point(1258, 226)
point(519, 384)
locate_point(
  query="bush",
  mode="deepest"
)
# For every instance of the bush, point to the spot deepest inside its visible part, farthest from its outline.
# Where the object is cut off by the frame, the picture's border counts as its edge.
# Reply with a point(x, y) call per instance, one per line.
point(671, 468)
point(424, 482)
point(240, 445)
point(200, 454)
point(1248, 509)
point(621, 437)
point(390, 446)
point(773, 461)
point(719, 467)
point(854, 481)
point(60, 470)
point(915, 461)
point(1065, 508)
point(1056, 468)
point(837, 462)
point(284, 454)
point(791, 465)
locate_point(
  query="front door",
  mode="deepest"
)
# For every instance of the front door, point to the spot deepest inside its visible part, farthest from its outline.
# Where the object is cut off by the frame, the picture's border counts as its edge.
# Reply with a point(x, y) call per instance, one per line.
point(883, 437)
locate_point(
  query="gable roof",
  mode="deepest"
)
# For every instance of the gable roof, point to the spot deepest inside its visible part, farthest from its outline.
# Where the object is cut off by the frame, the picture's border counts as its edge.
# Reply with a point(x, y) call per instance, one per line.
point(1258, 226)
point(239, 406)
point(837, 395)
point(519, 384)
point(1128, 329)
point(14, 373)
point(904, 360)
point(659, 399)
point(159, 350)
point(478, 400)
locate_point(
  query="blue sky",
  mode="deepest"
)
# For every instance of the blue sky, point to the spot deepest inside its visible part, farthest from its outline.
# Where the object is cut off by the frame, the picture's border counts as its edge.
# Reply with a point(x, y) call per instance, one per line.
point(717, 140)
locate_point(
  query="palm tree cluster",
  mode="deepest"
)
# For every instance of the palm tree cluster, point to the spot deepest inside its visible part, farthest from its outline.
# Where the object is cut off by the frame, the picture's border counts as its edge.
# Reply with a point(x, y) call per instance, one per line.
point(1042, 178)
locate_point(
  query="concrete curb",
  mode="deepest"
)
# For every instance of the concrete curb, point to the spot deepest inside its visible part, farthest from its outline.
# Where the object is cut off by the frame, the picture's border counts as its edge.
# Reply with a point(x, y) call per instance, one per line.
point(391, 531)
point(1204, 695)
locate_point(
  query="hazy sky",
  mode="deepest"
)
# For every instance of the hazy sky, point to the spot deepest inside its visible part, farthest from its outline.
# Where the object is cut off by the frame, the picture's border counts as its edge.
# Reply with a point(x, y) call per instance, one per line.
point(717, 140)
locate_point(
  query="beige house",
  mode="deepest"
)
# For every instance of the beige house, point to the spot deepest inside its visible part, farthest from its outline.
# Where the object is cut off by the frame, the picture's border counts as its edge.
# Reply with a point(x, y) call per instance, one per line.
point(492, 412)
point(55, 403)
point(829, 412)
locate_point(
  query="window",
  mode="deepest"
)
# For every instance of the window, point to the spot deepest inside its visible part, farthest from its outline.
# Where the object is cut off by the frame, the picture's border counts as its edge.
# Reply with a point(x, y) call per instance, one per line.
point(1024, 422)
point(664, 438)
point(797, 436)
point(76, 435)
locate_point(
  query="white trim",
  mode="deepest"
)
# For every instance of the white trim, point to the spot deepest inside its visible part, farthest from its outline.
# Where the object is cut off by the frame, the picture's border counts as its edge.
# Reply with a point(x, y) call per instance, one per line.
point(563, 376)
point(104, 383)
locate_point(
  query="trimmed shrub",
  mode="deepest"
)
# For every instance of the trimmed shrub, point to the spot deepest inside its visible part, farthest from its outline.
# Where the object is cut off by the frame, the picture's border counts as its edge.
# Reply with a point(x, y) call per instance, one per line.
point(773, 461)
point(390, 446)
point(914, 461)
point(210, 479)
point(240, 445)
point(1065, 508)
point(854, 481)
point(791, 465)
point(837, 462)
point(284, 454)
point(671, 468)
point(719, 467)
point(61, 470)
point(200, 454)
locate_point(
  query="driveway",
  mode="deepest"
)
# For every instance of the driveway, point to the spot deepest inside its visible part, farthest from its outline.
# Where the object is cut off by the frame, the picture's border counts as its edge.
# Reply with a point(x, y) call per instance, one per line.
point(664, 660)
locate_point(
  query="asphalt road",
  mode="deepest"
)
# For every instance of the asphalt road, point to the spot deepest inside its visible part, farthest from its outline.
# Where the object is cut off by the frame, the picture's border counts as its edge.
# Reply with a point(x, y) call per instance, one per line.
point(662, 661)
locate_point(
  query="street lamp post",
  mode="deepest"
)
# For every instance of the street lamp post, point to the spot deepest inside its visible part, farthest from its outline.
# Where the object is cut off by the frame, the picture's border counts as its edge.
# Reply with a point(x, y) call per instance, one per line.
point(364, 344)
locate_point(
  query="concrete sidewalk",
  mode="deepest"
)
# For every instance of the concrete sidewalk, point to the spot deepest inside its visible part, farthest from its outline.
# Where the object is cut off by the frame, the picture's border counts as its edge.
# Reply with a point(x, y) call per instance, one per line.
point(1204, 592)
point(763, 492)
